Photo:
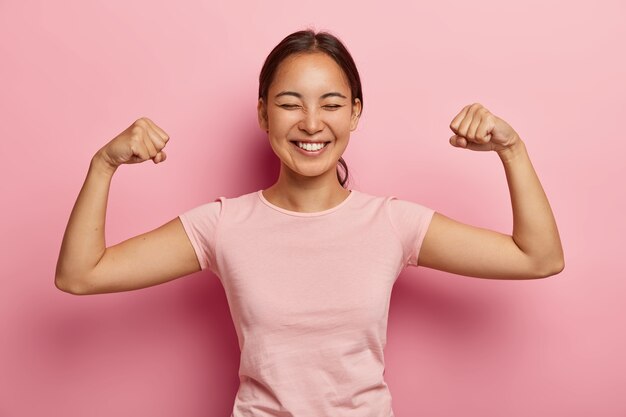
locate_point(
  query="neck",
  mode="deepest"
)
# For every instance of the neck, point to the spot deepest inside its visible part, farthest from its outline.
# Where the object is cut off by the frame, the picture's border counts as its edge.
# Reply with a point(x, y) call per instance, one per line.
point(296, 192)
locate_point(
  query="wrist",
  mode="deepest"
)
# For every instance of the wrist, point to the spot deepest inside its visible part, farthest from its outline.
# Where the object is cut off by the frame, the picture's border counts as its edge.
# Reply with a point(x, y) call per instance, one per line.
point(100, 163)
point(513, 151)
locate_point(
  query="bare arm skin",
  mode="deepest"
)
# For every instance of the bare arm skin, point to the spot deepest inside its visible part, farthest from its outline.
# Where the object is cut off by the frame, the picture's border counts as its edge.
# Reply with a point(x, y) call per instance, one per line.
point(85, 264)
point(533, 250)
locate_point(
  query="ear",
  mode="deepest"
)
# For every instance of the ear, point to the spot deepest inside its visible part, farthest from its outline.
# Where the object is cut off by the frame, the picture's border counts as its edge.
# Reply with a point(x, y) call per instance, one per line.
point(356, 114)
point(262, 115)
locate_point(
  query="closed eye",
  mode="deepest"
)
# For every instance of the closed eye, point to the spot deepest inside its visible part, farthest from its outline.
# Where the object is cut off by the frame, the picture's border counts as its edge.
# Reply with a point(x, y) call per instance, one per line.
point(332, 106)
point(289, 106)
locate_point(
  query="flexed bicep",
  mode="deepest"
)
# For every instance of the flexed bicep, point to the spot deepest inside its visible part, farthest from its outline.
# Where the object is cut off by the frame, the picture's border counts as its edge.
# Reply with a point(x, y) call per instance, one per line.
point(459, 248)
point(148, 259)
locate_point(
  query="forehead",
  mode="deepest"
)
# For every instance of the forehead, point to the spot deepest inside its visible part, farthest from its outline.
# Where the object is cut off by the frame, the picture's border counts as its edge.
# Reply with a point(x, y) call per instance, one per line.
point(313, 72)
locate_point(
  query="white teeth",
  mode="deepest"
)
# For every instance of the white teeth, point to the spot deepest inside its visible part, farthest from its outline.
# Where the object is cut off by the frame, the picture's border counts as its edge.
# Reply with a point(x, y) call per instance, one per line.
point(311, 146)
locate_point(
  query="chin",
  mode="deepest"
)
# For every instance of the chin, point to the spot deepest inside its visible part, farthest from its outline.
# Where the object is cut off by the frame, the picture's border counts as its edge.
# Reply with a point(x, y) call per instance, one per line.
point(312, 172)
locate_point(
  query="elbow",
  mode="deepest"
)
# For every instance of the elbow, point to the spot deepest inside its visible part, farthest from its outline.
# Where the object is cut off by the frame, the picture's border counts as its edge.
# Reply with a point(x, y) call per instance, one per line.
point(75, 281)
point(69, 286)
point(550, 268)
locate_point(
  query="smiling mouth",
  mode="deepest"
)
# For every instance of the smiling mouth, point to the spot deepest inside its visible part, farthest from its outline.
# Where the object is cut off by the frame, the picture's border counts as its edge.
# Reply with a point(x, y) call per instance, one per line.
point(310, 146)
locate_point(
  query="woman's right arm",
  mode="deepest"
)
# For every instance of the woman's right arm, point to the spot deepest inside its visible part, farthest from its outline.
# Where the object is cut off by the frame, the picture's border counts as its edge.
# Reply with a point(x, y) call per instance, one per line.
point(85, 264)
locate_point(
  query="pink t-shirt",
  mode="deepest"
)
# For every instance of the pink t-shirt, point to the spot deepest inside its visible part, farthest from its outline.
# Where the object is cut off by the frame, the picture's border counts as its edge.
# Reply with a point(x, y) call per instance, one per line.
point(309, 297)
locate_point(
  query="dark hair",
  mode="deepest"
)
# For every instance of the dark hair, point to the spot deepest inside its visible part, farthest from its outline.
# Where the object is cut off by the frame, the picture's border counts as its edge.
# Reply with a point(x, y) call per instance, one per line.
point(307, 41)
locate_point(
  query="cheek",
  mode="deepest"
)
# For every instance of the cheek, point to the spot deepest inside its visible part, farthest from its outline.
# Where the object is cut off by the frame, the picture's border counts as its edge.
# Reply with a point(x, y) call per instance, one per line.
point(281, 121)
point(340, 122)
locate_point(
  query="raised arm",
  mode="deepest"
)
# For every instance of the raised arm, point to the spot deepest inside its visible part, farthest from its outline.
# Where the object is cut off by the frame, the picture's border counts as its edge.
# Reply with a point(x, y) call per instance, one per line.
point(534, 249)
point(85, 264)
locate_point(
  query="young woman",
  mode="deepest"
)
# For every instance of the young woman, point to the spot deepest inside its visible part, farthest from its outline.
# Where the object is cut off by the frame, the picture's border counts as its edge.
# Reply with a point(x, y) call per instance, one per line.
point(307, 264)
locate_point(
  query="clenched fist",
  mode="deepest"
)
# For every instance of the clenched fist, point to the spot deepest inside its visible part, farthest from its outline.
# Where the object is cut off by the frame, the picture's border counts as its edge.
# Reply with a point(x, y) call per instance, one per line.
point(141, 141)
point(477, 129)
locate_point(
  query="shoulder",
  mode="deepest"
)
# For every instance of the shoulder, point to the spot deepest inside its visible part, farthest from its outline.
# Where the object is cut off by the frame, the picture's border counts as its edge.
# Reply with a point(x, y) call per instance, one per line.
point(402, 211)
point(390, 201)
point(361, 198)
point(217, 204)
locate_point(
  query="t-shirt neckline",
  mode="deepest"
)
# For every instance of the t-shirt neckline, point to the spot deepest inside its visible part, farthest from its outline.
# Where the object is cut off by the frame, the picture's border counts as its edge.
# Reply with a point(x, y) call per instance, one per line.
point(305, 214)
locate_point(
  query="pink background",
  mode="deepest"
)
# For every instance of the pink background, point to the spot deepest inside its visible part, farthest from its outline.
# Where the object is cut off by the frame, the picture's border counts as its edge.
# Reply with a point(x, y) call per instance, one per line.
point(75, 75)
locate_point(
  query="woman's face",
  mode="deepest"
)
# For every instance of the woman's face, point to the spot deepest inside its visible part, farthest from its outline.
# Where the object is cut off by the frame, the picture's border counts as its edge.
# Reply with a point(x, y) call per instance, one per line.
point(309, 101)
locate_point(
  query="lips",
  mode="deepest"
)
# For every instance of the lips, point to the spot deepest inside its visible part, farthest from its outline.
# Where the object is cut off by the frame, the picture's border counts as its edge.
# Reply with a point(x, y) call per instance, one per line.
point(310, 152)
point(309, 141)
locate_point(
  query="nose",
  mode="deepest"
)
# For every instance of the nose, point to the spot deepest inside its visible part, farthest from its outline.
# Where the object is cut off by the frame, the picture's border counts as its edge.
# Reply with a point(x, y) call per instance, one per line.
point(311, 122)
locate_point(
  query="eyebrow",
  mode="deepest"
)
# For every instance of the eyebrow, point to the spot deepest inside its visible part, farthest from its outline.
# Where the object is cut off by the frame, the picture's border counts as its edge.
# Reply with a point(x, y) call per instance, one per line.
point(298, 95)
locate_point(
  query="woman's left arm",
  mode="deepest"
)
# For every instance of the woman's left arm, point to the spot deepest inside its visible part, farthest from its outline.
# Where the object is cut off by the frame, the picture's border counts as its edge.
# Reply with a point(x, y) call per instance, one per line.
point(534, 249)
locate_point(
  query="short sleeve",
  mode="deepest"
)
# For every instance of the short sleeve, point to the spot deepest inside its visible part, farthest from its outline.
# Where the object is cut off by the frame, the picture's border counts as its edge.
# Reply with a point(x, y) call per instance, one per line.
point(410, 221)
point(200, 224)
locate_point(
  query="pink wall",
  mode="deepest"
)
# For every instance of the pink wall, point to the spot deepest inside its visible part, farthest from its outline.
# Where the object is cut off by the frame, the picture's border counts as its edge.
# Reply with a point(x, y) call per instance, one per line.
point(74, 76)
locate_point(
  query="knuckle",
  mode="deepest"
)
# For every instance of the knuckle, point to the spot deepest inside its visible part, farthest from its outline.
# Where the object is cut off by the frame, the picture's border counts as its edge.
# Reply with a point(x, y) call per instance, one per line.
point(136, 136)
point(137, 151)
point(137, 130)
